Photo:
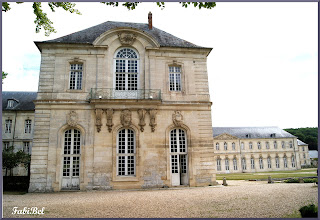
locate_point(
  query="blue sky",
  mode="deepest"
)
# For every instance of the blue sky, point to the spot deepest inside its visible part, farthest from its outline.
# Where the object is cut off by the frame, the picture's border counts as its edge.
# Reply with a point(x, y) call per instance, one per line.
point(263, 69)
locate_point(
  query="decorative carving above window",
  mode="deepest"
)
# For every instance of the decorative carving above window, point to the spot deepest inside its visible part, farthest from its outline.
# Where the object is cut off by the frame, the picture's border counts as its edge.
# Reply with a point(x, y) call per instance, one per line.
point(72, 118)
point(153, 113)
point(177, 118)
point(109, 114)
point(142, 114)
point(126, 38)
point(125, 117)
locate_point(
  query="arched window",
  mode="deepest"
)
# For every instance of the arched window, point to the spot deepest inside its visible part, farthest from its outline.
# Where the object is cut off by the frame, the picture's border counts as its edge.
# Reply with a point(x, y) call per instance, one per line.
point(126, 69)
point(217, 146)
point(250, 145)
point(225, 146)
point(126, 152)
point(293, 164)
point(242, 146)
point(269, 162)
point(243, 163)
point(218, 164)
point(267, 145)
point(259, 145)
point(277, 162)
point(261, 162)
point(179, 157)
point(252, 162)
point(233, 146)
point(71, 159)
point(235, 165)
point(282, 144)
point(275, 145)
point(227, 163)
point(285, 162)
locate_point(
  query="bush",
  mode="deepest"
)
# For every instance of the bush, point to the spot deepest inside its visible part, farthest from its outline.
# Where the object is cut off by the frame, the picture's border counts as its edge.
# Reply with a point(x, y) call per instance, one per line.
point(295, 180)
point(309, 211)
point(310, 180)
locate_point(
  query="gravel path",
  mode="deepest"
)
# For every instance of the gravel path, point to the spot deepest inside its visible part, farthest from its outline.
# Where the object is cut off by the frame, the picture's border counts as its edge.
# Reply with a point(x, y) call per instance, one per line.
point(240, 199)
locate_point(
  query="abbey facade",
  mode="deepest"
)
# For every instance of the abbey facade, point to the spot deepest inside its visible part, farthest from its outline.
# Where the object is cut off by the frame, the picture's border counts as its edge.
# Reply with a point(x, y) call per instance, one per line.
point(121, 105)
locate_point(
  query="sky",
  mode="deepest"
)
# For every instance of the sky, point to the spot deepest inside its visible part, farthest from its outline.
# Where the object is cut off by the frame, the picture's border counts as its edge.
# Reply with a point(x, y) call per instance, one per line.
point(263, 69)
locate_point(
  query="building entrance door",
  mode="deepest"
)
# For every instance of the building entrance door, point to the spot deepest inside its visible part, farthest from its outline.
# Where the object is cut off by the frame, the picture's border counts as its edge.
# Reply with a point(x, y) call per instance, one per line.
point(70, 178)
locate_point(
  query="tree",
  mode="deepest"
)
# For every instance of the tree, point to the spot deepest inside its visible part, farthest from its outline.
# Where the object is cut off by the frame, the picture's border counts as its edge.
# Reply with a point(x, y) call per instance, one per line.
point(4, 75)
point(11, 159)
point(42, 20)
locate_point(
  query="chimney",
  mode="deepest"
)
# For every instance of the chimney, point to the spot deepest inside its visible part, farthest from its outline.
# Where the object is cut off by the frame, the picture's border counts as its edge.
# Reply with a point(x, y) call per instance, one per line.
point(150, 20)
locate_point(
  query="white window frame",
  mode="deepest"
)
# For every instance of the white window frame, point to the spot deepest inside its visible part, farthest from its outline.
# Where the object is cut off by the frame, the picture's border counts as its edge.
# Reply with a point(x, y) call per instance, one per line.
point(275, 145)
point(6, 144)
point(10, 103)
point(290, 144)
point(285, 162)
point(217, 146)
point(126, 73)
point(78, 73)
point(277, 162)
point(226, 161)
point(73, 171)
point(252, 162)
point(269, 162)
point(218, 164)
point(225, 145)
point(243, 163)
point(302, 148)
point(26, 147)
point(27, 126)
point(260, 163)
point(293, 164)
point(242, 146)
point(233, 146)
point(259, 145)
point(283, 145)
point(250, 145)
point(126, 154)
point(267, 145)
point(8, 126)
point(235, 164)
point(177, 86)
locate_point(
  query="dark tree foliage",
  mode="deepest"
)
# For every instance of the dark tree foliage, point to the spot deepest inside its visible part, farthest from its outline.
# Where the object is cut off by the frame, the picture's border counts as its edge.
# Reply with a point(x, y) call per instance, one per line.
point(11, 159)
point(307, 135)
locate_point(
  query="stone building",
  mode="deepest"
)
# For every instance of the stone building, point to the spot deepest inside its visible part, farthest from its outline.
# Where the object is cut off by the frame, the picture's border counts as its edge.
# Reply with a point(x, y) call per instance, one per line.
point(256, 149)
point(17, 124)
point(304, 154)
point(122, 105)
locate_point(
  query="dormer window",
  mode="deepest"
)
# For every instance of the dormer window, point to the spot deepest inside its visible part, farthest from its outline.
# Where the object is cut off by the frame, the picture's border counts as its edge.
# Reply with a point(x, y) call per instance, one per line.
point(10, 103)
point(248, 135)
point(273, 135)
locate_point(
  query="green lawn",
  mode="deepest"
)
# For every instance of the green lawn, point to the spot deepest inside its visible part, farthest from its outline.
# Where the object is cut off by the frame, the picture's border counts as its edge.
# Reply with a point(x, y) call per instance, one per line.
point(273, 174)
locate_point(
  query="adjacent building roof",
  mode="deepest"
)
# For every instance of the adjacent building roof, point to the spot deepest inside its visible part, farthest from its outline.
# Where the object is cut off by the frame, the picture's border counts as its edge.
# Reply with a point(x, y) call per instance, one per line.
point(313, 154)
point(252, 132)
point(87, 36)
point(301, 143)
point(23, 101)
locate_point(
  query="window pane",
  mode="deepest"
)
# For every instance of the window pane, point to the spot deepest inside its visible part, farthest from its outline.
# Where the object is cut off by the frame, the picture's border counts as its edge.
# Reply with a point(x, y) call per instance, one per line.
point(182, 141)
point(67, 142)
point(183, 162)
point(173, 141)
point(76, 142)
point(66, 166)
point(76, 166)
point(174, 163)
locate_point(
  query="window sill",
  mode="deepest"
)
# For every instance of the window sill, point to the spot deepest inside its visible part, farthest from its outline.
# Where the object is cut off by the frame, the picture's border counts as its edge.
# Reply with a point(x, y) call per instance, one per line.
point(75, 90)
point(126, 179)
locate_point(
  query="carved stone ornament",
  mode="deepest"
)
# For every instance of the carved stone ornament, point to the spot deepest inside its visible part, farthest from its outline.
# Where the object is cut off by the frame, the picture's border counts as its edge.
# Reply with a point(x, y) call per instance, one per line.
point(142, 114)
point(125, 117)
point(126, 38)
point(177, 118)
point(225, 136)
point(72, 118)
point(153, 113)
point(98, 119)
point(109, 114)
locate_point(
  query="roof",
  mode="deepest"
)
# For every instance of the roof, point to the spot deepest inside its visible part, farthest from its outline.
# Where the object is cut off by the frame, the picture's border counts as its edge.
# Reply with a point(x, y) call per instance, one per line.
point(313, 154)
point(88, 36)
point(22, 100)
point(254, 132)
point(301, 143)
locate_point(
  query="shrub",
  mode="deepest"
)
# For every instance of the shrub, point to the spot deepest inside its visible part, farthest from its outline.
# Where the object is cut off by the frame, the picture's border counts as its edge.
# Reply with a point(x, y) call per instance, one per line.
point(295, 180)
point(309, 211)
point(310, 180)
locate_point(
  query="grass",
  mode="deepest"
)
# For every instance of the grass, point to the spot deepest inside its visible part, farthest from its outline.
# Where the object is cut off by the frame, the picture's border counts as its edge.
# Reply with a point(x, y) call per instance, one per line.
point(273, 174)
point(295, 214)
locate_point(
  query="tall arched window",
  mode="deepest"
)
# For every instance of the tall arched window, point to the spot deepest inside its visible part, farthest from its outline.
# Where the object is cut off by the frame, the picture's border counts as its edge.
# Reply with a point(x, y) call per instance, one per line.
point(269, 162)
point(179, 157)
point(217, 146)
point(71, 159)
point(277, 162)
point(225, 146)
point(126, 152)
point(218, 164)
point(243, 163)
point(259, 145)
point(293, 164)
point(250, 145)
point(261, 162)
point(126, 69)
point(233, 146)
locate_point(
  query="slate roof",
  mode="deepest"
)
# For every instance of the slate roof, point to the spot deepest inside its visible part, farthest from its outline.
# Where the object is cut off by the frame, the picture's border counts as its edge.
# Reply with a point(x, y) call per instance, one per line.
point(23, 100)
point(88, 36)
point(301, 143)
point(254, 132)
point(313, 154)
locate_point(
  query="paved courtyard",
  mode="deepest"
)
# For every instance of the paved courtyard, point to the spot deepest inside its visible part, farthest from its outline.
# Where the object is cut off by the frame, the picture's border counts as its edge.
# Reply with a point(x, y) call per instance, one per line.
point(240, 199)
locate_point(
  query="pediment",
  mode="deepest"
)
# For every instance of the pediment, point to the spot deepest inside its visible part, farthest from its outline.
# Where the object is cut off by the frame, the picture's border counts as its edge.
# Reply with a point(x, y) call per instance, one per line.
point(225, 136)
